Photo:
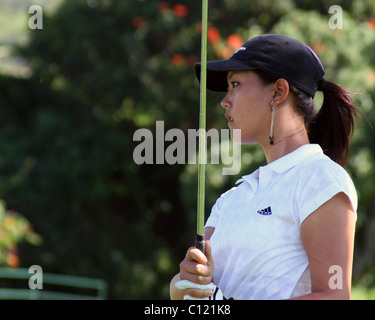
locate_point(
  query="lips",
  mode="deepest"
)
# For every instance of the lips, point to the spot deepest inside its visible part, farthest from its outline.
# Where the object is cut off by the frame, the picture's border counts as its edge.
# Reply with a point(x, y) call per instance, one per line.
point(230, 119)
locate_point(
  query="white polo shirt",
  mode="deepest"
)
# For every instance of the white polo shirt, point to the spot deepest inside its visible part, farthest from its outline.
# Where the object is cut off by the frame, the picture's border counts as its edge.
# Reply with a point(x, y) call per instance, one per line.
point(256, 246)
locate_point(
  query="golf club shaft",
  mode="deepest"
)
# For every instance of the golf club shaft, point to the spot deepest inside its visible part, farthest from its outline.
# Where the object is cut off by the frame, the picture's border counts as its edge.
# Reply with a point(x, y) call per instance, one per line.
point(202, 132)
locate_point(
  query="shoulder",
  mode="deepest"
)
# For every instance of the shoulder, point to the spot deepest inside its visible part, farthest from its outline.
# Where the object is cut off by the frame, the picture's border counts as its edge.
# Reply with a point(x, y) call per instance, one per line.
point(214, 217)
point(322, 164)
point(226, 195)
point(223, 198)
point(320, 179)
point(324, 172)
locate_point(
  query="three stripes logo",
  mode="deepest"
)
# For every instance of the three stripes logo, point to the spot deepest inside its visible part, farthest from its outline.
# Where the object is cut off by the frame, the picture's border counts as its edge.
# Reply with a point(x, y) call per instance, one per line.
point(265, 212)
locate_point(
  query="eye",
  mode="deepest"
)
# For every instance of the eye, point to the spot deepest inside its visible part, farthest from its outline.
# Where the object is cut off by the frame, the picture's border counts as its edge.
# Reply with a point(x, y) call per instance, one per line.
point(235, 84)
point(232, 84)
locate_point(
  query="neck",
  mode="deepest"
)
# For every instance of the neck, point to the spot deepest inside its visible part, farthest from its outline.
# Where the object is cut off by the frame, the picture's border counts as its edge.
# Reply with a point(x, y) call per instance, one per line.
point(285, 144)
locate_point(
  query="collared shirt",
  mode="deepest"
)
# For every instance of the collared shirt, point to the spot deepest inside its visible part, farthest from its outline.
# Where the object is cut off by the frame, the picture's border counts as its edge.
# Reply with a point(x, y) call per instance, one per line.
point(256, 245)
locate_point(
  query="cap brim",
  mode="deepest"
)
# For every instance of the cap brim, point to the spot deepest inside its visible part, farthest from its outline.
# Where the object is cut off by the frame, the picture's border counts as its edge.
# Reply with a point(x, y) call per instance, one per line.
point(217, 72)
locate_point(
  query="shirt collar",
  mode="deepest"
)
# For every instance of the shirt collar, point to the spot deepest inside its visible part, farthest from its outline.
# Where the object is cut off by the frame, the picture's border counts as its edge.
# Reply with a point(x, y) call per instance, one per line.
point(284, 163)
point(290, 160)
point(252, 179)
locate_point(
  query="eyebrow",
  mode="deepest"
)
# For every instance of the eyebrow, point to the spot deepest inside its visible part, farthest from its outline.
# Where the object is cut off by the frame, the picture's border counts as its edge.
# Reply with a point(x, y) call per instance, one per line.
point(230, 77)
point(233, 74)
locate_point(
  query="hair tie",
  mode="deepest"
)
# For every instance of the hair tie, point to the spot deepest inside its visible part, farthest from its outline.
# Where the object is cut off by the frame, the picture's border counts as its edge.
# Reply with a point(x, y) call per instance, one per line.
point(322, 83)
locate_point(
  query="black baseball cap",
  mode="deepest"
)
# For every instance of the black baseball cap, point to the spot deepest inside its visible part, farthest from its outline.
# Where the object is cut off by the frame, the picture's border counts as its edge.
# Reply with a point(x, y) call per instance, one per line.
point(274, 53)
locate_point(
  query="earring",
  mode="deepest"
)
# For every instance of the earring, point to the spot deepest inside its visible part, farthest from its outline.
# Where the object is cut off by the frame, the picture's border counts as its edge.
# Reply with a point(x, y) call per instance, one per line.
point(272, 118)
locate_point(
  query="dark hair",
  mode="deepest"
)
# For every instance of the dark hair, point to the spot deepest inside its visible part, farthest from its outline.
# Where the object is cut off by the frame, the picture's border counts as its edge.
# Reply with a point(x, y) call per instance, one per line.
point(332, 127)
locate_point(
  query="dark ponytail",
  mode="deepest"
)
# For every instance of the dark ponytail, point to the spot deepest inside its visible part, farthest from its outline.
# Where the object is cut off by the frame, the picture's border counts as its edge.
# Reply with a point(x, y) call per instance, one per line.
point(333, 126)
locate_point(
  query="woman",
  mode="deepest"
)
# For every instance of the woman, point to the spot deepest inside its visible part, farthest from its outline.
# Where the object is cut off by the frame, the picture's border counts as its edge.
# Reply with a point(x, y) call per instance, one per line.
point(287, 230)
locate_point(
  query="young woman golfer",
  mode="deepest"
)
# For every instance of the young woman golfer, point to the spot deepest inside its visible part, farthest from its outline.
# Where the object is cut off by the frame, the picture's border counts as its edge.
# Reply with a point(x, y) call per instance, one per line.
point(286, 231)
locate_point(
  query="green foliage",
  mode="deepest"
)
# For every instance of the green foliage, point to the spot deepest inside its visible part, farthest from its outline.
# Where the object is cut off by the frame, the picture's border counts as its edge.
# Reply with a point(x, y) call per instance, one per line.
point(14, 228)
point(100, 70)
point(363, 294)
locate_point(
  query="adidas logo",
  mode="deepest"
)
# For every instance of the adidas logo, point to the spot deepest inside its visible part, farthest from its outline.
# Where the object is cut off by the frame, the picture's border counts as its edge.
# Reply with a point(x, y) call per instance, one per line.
point(265, 212)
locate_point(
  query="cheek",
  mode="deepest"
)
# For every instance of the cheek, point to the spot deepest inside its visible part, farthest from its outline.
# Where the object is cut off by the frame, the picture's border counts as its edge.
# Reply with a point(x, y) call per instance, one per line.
point(251, 112)
point(252, 119)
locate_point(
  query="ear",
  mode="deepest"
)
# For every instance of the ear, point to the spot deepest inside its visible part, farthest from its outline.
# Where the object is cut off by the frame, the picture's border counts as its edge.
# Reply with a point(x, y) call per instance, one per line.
point(281, 91)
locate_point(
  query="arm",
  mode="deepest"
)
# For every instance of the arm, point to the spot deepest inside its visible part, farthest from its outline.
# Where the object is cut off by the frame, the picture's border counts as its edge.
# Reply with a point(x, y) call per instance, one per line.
point(196, 267)
point(328, 237)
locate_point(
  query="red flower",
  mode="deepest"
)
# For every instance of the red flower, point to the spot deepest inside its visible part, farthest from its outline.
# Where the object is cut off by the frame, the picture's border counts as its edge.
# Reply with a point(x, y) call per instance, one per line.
point(180, 10)
point(213, 35)
point(235, 41)
point(137, 22)
point(12, 260)
point(178, 60)
point(372, 23)
point(319, 47)
point(226, 52)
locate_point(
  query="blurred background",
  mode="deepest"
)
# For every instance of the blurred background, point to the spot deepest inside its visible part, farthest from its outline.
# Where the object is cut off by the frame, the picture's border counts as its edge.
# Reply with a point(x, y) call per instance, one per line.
point(73, 93)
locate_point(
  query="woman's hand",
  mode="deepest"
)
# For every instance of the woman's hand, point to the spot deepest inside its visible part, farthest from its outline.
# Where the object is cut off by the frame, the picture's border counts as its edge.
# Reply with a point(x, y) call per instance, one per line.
point(197, 268)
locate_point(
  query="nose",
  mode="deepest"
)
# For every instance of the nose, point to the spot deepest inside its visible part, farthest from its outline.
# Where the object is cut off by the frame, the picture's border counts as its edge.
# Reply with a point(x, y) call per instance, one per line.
point(225, 103)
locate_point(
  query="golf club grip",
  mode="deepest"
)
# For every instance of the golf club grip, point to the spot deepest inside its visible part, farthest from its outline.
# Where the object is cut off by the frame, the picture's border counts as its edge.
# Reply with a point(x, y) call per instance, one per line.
point(199, 242)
